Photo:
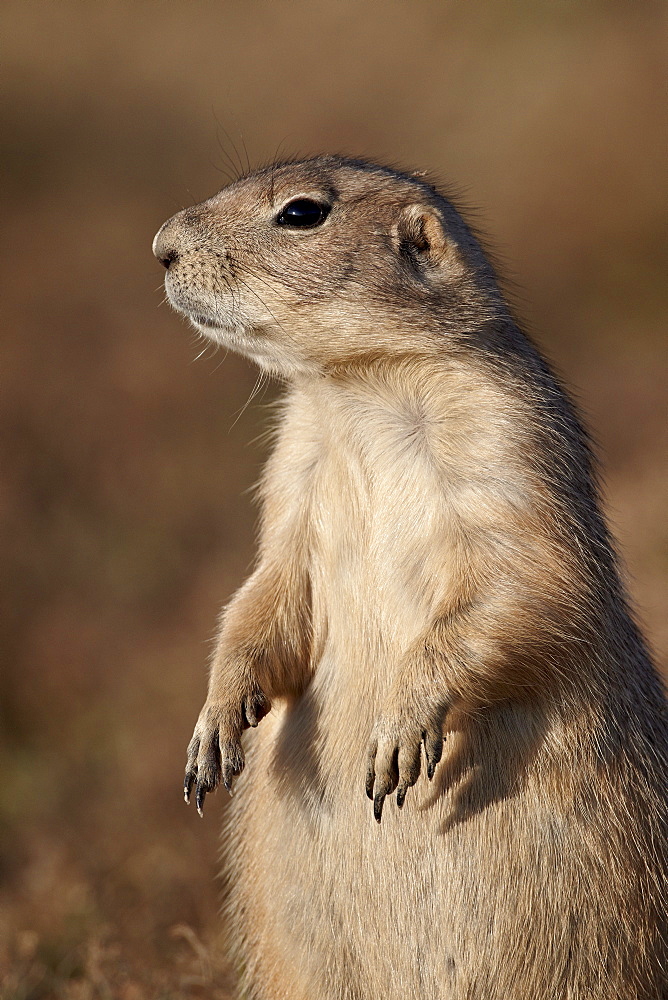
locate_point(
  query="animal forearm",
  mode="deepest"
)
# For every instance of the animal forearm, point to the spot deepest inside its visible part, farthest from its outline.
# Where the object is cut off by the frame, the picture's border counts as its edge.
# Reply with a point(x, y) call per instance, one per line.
point(265, 634)
point(470, 658)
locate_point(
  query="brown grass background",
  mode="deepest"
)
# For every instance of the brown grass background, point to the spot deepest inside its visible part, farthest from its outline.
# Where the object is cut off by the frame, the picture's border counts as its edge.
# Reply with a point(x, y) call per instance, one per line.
point(125, 519)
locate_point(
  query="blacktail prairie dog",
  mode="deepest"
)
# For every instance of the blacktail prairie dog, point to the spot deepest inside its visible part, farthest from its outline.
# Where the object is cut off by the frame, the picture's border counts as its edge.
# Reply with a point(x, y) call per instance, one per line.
point(436, 612)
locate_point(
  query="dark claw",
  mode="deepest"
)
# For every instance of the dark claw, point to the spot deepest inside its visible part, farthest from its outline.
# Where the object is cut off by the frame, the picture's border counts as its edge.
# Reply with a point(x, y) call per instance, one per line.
point(433, 748)
point(254, 710)
point(250, 714)
point(233, 764)
point(199, 799)
point(401, 796)
point(191, 768)
point(371, 768)
point(188, 783)
point(378, 807)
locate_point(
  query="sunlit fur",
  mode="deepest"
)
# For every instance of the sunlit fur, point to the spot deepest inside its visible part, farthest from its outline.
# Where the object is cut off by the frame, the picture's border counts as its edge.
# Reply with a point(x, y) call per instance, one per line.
point(432, 558)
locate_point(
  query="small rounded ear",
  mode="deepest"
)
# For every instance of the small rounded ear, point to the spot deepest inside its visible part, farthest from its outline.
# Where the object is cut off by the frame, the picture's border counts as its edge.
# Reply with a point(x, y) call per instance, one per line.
point(420, 238)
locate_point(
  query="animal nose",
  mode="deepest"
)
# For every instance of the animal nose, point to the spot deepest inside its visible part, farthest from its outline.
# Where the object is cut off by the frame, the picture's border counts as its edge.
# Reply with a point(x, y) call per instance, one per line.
point(167, 258)
point(165, 244)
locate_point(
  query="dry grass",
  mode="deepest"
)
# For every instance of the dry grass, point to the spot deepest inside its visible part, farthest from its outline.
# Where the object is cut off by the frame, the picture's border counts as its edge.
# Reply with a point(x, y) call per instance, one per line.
point(124, 518)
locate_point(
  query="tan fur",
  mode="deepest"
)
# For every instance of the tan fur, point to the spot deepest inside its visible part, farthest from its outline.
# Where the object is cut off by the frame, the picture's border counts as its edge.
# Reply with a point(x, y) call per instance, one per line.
point(432, 560)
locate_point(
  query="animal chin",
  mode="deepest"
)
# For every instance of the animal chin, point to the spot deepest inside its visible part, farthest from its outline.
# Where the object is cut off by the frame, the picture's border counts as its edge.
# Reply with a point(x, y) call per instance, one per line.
point(211, 326)
point(223, 331)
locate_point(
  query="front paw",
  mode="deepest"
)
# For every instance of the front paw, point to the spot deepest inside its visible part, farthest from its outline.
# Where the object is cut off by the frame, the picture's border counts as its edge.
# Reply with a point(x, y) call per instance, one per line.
point(394, 755)
point(214, 752)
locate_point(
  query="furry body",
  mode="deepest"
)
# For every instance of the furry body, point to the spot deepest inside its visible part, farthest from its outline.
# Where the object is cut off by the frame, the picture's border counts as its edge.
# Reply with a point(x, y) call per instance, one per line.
point(432, 560)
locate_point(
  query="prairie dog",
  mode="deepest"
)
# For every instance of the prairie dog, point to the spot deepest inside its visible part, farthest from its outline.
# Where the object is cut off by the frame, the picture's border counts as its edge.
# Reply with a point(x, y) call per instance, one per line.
point(436, 615)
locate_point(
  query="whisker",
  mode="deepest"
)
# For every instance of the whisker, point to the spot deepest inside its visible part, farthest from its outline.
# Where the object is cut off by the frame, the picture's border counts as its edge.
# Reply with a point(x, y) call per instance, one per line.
point(260, 383)
point(221, 170)
point(222, 360)
point(243, 143)
point(245, 269)
point(238, 162)
point(278, 151)
point(260, 299)
point(203, 351)
point(233, 167)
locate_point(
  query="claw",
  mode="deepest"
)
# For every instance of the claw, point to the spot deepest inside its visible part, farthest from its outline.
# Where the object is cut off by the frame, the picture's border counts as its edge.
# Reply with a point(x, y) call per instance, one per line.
point(199, 799)
point(378, 807)
point(401, 796)
point(232, 760)
point(188, 783)
point(251, 715)
point(433, 748)
point(255, 709)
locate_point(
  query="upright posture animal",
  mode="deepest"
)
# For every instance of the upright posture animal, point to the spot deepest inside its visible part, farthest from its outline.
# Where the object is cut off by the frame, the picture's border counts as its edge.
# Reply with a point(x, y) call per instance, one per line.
point(433, 567)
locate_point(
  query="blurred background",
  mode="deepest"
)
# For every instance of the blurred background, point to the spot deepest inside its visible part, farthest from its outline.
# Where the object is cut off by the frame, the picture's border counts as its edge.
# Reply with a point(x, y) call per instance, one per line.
point(127, 460)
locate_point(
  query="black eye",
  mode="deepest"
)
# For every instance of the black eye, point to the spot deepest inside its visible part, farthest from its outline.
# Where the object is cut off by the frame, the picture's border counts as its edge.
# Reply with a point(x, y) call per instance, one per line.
point(303, 214)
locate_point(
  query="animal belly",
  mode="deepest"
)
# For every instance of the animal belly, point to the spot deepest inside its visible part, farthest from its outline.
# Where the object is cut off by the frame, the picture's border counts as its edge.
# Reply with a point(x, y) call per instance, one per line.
point(473, 891)
point(356, 909)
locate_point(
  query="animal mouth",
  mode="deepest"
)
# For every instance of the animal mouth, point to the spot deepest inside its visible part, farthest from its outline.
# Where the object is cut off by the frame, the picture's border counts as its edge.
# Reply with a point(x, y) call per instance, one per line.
point(192, 310)
point(205, 321)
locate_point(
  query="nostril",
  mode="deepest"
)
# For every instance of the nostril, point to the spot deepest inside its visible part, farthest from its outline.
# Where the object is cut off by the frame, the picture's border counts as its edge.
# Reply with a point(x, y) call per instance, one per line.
point(168, 258)
point(168, 242)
